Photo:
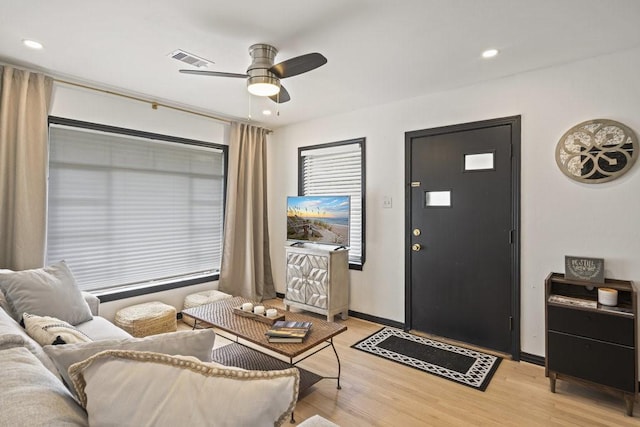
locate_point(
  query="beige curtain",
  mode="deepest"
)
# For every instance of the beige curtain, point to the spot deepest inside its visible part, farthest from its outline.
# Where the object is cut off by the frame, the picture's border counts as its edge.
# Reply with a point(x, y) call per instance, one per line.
point(24, 106)
point(246, 263)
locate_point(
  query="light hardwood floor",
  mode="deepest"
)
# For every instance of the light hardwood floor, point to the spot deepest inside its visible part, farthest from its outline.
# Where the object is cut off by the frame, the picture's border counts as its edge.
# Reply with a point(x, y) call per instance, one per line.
point(378, 392)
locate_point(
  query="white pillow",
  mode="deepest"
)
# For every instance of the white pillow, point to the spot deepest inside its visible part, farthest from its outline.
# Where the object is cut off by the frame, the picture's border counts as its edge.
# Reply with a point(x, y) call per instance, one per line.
point(49, 330)
point(176, 390)
point(188, 343)
point(48, 291)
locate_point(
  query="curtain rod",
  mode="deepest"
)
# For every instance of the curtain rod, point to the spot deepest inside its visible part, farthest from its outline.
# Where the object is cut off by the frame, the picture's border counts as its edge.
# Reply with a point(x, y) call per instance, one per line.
point(154, 104)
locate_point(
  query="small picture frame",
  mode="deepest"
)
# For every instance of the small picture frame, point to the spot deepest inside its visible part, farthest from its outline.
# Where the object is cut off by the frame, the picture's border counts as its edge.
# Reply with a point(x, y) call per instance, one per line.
point(583, 268)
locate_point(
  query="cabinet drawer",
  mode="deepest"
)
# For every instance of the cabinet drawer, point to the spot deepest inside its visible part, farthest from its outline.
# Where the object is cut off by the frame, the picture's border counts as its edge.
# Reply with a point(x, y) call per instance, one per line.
point(608, 364)
point(600, 326)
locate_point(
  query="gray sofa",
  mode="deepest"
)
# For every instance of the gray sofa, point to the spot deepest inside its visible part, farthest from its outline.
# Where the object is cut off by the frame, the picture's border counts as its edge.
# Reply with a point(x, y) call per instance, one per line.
point(12, 334)
point(33, 393)
point(98, 379)
point(45, 385)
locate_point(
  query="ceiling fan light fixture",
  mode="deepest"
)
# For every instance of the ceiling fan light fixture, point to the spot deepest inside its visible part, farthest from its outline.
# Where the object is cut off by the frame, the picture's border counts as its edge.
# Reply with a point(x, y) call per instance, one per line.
point(263, 85)
point(263, 89)
point(263, 76)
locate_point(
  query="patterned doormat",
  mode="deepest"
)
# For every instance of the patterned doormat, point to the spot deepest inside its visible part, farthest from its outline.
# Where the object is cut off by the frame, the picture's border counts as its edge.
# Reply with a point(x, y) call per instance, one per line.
point(469, 367)
point(241, 356)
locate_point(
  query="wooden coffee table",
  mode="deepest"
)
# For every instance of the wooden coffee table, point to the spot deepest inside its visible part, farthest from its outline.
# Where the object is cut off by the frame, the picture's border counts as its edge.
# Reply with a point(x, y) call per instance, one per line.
point(219, 314)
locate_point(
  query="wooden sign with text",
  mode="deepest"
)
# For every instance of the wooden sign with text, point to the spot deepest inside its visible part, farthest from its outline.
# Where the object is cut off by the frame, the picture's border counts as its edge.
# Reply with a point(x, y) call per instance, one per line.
point(581, 268)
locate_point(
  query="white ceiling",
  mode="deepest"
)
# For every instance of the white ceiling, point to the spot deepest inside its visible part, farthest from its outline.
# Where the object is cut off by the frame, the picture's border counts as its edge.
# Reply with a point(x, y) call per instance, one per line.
point(378, 51)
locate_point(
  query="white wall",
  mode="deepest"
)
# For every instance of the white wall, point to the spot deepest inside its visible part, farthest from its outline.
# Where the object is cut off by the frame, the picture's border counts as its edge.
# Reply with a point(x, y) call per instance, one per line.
point(73, 102)
point(559, 216)
point(87, 105)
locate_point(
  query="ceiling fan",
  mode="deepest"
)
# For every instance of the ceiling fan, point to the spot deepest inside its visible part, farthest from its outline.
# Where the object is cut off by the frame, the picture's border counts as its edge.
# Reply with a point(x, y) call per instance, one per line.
point(263, 77)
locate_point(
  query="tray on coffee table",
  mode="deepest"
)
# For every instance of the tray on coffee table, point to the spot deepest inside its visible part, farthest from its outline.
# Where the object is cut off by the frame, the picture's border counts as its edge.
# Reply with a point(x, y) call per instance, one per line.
point(259, 317)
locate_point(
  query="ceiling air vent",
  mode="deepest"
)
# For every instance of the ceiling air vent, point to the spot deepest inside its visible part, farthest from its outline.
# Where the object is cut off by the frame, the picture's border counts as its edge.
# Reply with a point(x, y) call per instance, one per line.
point(189, 58)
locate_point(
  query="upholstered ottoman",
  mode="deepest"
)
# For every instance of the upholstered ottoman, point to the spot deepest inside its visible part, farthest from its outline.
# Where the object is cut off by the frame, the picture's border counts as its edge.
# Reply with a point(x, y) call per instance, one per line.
point(148, 318)
point(201, 298)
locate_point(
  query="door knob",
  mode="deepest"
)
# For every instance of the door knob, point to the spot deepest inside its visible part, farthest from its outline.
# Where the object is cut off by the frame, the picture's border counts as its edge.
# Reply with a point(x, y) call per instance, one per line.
point(416, 231)
point(416, 247)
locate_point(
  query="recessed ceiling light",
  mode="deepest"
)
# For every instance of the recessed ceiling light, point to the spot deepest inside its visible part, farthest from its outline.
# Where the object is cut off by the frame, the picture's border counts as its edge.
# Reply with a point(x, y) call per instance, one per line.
point(489, 53)
point(32, 44)
point(266, 112)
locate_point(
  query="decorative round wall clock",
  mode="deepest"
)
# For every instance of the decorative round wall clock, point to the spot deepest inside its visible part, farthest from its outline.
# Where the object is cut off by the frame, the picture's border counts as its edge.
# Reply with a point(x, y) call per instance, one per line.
point(597, 151)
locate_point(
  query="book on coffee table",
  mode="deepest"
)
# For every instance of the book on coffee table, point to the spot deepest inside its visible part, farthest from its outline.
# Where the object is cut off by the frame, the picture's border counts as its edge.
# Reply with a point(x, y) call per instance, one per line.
point(289, 340)
point(288, 331)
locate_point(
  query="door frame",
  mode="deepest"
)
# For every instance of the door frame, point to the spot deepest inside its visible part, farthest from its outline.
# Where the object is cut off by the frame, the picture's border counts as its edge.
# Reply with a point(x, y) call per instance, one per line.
point(514, 122)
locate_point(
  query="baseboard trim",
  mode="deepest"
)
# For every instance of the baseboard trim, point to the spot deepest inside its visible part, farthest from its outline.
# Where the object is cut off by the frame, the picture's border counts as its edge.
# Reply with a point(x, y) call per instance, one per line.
point(532, 358)
point(376, 319)
point(364, 316)
point(524, 357)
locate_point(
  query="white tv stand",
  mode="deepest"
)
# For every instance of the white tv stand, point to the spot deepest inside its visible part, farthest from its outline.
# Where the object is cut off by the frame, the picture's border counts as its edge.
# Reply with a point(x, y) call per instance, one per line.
point(317, 279)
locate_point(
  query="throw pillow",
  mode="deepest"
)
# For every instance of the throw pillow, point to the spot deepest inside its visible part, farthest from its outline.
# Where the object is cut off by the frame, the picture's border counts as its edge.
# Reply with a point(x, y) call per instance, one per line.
point(175, 390)
point(49, 330)
point(198, 344)
point(49, 291)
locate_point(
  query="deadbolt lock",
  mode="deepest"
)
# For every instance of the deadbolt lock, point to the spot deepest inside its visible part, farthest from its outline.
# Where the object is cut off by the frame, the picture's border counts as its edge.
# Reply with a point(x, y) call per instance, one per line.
point(416, 231)
point(416, 247)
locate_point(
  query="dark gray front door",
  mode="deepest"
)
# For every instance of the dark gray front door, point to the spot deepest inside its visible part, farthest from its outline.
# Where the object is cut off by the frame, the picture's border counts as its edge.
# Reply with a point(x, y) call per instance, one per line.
point(462, 227)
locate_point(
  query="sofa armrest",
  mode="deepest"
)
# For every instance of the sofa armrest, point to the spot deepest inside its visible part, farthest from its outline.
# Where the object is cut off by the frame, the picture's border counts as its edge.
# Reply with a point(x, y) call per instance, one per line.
point(93, 301)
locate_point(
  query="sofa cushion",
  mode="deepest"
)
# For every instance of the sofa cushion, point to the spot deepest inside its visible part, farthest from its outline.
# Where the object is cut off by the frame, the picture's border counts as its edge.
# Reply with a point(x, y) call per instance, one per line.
point(10, 340)
point(32, 396)
point(49, 291)
point(175, 390)
point(13, 335)
point(4, 304)
point(100, 328)
point(49, 330)
point(198, 344)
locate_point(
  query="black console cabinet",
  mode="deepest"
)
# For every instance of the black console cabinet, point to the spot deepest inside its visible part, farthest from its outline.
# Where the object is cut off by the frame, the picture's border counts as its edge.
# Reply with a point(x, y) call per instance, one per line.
point(590, 343)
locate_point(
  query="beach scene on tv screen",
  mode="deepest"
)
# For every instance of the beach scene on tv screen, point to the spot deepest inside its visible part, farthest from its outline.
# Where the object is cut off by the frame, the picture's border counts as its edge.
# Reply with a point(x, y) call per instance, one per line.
point(319, 219)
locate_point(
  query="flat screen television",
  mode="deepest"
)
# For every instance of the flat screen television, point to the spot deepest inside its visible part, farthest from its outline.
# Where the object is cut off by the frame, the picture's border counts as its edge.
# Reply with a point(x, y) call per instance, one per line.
point(318, 219)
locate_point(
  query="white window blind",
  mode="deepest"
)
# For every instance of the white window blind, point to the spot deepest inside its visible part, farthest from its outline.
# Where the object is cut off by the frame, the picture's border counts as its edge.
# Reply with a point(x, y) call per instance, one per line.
point(126, 210)
point(337, 170)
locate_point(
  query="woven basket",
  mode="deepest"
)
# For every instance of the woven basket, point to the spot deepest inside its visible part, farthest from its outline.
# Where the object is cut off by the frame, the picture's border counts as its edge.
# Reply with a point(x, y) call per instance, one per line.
point(148, 318)
point(201, 298)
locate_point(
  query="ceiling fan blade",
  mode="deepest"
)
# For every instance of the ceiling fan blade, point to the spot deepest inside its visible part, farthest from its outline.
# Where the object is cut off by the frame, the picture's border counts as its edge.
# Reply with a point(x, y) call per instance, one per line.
point(298, 65)
point(280, 97)
point(215, 73)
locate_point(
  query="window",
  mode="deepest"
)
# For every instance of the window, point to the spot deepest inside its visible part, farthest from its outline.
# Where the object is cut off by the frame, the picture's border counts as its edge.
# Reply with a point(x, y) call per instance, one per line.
point(128, 209)
point(338, 169)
